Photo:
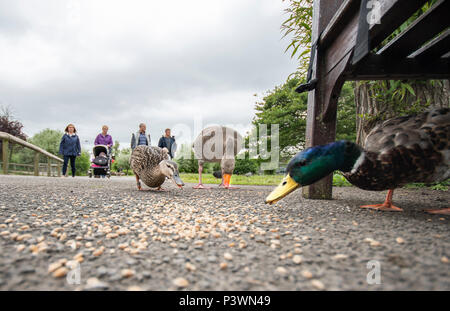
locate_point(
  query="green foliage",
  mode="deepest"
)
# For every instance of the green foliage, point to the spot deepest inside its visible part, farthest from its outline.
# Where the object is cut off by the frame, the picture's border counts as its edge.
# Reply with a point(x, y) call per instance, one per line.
point(340, 181)
point(187, 164)
point(116, 148)
point(441, 186)
point(298, 25)
point(82, 163)
point(287, 108)
point(346, 114)
point(48, 140)
point(122, 161)
point(246, 165)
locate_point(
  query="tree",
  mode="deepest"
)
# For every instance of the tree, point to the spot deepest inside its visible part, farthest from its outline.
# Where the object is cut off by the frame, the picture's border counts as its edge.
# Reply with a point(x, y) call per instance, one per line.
point(48, 140)
point(299, 26)
point(116, 148)
point(10, 125)
point(122, 162)
point(287, 108)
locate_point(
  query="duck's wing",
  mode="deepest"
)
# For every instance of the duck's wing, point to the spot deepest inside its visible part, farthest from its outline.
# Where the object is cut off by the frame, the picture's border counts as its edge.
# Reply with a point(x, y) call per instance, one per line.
point(146, 157)
point(416, 146)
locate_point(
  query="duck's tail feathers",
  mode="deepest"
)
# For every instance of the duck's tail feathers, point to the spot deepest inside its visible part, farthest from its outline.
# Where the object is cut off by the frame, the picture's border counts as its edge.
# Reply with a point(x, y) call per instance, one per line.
point(217, 174)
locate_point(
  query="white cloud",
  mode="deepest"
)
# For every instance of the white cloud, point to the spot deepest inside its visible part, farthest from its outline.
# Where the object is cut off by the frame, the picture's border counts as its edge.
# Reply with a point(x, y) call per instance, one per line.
point(123, 62)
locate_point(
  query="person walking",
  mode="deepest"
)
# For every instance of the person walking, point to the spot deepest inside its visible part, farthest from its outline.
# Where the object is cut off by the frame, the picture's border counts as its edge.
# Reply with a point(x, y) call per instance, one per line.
point(70, 148)
point(167, 141)
point(140, 138)
point(104, 138)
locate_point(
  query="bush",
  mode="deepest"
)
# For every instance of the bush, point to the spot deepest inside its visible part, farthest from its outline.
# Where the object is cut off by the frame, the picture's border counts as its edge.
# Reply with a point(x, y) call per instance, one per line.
point(244, 166)
point(189, 165)
point(82, 163)
point(122, 161)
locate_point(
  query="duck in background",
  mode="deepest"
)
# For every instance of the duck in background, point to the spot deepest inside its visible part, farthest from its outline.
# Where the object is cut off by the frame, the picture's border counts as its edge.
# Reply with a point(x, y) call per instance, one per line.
point(217, 144)
point(152, 166)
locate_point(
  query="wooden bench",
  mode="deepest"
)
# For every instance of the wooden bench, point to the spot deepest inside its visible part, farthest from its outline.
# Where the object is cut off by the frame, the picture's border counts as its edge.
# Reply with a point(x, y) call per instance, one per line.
point(345, 48)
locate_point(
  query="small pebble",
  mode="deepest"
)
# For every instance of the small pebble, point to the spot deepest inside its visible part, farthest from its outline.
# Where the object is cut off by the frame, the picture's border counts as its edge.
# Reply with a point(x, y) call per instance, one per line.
point(134, 288)
point(317, 284)
point(281, 271)
point(339, 256)
point(297, 259)
point(306, 274)
point(60, 272)
point(228, 256)
point(190, 267)
point(181, 282)
point(127, 273)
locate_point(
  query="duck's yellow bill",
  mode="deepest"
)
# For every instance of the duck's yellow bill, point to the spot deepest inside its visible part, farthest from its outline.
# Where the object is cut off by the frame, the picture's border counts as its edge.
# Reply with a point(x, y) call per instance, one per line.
point(284, 188)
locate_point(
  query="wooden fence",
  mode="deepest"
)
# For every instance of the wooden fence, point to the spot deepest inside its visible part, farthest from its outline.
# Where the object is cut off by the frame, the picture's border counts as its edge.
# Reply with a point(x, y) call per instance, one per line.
point(34, 168)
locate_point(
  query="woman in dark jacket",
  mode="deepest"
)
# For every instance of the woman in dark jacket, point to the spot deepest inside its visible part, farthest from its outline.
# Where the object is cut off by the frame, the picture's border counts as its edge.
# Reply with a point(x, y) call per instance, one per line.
point(70, 148)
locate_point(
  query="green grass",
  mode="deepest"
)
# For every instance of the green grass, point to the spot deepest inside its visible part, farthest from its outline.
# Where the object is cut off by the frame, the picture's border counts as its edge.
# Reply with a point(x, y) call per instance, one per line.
point(262, 180)
point(255, 180)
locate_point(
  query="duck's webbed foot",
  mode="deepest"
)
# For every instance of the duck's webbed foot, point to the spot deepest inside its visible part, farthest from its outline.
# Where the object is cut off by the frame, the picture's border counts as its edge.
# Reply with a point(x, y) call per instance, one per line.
point(387, 206)
point(441, 211)
point(201, 186)
point(383, 207)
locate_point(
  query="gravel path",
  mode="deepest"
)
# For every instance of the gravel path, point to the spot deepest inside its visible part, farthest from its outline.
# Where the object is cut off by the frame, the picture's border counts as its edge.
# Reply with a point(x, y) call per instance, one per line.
point(118, 238)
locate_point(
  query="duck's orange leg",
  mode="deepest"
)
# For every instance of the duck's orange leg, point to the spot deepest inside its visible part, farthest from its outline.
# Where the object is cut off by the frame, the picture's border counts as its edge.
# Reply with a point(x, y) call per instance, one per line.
point(386, 206)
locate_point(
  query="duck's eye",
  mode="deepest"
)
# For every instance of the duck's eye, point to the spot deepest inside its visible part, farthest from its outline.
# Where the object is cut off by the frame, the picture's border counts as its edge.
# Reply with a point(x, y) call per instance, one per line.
point(284, 182)
point(301, 162)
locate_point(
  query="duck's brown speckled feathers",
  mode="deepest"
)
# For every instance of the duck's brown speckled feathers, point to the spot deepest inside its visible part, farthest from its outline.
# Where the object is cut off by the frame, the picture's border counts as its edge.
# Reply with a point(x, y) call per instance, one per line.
point(145, 163)
point(407, 149)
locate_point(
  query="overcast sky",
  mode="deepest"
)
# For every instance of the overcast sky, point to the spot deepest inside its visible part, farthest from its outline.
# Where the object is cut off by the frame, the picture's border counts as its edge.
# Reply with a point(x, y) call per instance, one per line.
point(165, 63)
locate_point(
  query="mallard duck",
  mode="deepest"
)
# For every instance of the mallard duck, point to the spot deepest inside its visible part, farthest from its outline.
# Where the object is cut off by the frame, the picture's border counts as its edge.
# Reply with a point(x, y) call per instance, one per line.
point(152, 166)
point(398, 151)
point(217, 144)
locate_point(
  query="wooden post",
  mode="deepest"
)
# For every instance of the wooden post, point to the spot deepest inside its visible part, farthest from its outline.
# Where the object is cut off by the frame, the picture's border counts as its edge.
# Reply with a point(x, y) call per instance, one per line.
point(319, 132)
point(58, 167)
point(49, 167)
point(36, 164)
point(5, 147)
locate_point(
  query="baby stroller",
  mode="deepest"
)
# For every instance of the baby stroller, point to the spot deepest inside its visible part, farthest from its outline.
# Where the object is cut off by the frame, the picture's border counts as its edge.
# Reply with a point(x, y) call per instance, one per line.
point(101, 164)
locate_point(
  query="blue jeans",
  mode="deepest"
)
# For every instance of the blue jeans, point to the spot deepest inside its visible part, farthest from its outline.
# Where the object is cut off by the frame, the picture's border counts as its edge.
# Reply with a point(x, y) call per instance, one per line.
point(72, 164)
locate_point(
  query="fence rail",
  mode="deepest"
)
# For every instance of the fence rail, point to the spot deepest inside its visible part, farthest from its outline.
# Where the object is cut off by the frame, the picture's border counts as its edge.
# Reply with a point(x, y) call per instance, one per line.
point(7, 139)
